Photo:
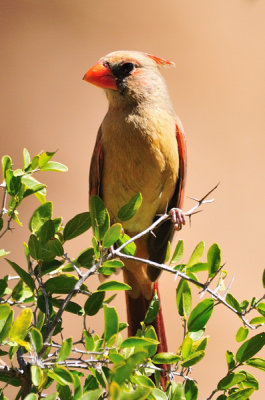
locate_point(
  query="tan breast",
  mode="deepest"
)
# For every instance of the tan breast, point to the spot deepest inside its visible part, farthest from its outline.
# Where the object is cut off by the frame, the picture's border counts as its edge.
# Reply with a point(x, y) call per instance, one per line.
point(140, 155)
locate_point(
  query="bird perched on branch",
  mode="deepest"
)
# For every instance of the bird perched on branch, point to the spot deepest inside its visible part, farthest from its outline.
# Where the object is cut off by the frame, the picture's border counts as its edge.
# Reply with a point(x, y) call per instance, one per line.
point(140, 147)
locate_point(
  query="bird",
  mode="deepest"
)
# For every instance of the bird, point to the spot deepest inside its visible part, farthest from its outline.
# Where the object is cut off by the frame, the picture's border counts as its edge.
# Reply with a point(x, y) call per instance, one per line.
point(140, 148)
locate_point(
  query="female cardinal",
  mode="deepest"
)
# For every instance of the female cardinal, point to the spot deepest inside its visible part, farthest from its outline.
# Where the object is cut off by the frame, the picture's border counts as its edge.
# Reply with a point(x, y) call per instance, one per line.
point(140, 147)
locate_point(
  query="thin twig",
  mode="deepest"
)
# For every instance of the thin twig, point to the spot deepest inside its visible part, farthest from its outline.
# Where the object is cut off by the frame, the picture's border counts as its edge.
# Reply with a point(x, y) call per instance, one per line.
point(79, 272)
point(164, 267)
point(59, 313)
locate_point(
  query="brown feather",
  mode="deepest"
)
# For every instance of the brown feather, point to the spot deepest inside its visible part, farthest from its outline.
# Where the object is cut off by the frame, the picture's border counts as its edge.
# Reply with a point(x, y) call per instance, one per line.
point(140, 147)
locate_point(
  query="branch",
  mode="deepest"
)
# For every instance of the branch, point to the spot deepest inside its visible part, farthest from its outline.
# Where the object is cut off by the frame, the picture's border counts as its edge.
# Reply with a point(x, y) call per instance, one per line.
point(165, 217)
point(164, 267)
point(59, 313)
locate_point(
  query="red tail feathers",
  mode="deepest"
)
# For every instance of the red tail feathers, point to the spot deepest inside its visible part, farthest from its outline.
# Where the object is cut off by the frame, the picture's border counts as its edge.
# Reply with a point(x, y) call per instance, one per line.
point(136, 310)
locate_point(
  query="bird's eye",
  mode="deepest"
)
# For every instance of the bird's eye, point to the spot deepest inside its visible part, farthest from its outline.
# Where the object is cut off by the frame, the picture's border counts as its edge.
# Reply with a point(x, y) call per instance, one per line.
point(127, 67)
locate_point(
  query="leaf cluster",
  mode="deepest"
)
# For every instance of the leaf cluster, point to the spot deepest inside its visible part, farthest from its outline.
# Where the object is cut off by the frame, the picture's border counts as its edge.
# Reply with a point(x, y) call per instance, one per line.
point(105, 365)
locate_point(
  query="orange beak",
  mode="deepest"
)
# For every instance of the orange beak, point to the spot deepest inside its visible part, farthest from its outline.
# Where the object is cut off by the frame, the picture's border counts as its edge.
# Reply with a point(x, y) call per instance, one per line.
point(100, 75)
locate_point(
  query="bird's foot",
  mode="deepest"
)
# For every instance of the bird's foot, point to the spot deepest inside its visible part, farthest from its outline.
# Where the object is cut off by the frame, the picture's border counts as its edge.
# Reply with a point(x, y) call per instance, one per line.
point(177, 218)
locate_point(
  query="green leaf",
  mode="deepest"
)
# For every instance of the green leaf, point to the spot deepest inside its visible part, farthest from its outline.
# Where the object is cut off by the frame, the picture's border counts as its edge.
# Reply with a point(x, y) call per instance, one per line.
point(6, 165)
point(31, 396)
point(64, 392)
point(124, 371)
point(71, 307)
point(79, 224)
point(130, 249)
point(230, 380)
point(135, 341)
point(49, 266)
point(250, 380)
point(99, 217)
point(34, 163)
point(111, 322)
point(94, 303)
point(54, 166)
point(78, 387)
point(32, 185)
point(233, 302)
point(6, 320)
point(3, 286)
point(179, 392)
point(37, 339)
point(230, 360)
point(242, 394)
point(130, 209)
point(263, 278)
point(196, 335)
point(34, 247)
point(85, 259)
point(44, 157)
point(41, 195)
point(113, 264)
point(200, 315)
point(20, 326)
point(186, 347)
point(46, 231)
point(249, 348)
point(196, 255)
point(61, 375)
point(178, 253)
point(13, 184)
point(183, 298)
point(92, 394)
point(42, 214)
point(142, 380)
point(241, 334)
point(257, 320)
point(26, 158)
point(62, 284)
point(36, 375)
point(190, 390)
point(113, 285)
point(213, 259)
point(23, 275)
point(261, 308)
point(165, 358)
point(153, 310)
point(22, 292)
point(18, 172)
point(89, 341)
point(112, 235)
point(150, 333)
point(193, 358)
point(256, 363)
point(157, 394)
point(66, 349)
point(52, 396)
point(199, 267)
point(51, 249)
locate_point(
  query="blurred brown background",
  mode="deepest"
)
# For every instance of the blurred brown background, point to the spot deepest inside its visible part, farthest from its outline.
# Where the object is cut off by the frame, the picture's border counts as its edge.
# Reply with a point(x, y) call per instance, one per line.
point(218, 89)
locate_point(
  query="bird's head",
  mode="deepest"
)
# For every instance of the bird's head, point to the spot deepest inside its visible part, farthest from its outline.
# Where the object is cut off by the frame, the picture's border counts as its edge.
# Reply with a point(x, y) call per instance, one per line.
point(130, 74)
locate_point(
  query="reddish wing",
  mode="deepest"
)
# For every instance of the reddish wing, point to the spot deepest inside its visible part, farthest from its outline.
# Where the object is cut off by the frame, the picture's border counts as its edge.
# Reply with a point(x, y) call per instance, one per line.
point(96, 167)
point(179, 193)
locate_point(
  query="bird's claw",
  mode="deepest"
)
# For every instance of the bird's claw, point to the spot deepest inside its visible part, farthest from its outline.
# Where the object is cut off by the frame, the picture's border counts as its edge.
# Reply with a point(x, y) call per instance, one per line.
point(177, 218)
